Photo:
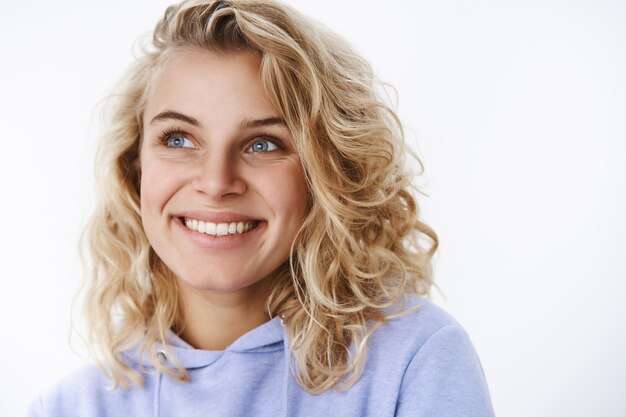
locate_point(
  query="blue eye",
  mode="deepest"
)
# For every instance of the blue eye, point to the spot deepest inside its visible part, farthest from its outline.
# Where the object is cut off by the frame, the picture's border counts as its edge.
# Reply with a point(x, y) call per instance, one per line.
point(179, 141)
point(263, 145)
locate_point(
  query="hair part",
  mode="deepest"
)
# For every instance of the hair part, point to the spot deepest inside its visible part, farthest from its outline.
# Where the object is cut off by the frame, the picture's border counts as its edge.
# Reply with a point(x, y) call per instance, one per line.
point(361, 249)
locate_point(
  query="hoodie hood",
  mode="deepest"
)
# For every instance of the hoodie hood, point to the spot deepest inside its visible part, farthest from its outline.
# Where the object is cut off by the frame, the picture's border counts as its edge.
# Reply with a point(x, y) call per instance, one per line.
point(268, 337)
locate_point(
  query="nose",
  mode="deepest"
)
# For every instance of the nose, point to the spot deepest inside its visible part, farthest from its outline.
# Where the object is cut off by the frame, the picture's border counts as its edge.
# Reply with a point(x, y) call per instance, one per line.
point(219, 177)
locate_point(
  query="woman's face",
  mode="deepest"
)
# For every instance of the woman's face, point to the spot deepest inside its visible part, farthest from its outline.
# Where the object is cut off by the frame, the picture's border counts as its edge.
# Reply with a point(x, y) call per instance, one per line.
point(223, 192)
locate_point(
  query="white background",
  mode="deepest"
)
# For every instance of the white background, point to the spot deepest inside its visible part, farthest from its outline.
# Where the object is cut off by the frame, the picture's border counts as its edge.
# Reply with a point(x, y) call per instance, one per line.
point(518, 109)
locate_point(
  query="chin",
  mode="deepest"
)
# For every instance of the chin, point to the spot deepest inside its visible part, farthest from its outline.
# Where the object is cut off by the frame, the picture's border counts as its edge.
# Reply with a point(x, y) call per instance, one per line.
point(221, 282)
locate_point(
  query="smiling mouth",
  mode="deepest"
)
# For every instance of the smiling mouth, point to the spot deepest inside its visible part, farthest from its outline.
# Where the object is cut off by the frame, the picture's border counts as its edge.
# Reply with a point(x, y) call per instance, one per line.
point(219, 229)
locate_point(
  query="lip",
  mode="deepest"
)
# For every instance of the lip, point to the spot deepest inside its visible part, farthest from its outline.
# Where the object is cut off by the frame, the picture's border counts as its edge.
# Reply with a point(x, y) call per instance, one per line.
point(205, 241)
point(216, 216)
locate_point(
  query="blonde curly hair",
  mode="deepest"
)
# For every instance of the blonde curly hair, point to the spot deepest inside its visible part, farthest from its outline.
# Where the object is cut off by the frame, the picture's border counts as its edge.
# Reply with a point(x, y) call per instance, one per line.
point(361, 249)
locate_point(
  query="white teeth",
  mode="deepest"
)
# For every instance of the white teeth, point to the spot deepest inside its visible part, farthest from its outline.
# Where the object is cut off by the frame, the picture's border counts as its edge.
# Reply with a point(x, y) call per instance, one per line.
point(222, 229)
point(218, 229)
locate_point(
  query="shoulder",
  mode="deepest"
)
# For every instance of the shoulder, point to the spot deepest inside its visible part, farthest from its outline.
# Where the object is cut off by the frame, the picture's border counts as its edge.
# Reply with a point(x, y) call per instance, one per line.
point(409, 332)
point(69, 393)
point(429, 338)
point(432, 359)
point(85, 391)
point(414, 324)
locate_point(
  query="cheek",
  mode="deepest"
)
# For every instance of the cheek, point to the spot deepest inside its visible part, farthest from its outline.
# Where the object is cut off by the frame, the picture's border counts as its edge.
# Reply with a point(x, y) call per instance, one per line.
point(149, 186)
point(158, 183)
point(298, 197)
point(292, 194)
point(284, 191)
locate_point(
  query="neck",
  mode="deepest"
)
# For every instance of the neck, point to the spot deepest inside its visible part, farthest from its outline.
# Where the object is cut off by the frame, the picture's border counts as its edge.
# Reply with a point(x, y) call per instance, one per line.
point(213, 320)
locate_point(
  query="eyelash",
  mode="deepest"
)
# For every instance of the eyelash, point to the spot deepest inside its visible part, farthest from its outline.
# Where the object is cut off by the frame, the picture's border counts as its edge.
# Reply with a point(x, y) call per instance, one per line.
point(168, 133)
point(266, 138)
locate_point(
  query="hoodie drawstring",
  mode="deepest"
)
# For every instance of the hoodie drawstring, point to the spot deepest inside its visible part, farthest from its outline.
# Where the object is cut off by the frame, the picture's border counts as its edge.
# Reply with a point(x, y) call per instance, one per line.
point(162, 357)
point(157, 395)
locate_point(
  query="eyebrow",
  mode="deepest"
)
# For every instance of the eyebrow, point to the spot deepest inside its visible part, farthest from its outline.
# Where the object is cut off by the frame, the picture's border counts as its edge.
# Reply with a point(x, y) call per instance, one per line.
point(244, 125)
point(269, 121)
point(176, 116)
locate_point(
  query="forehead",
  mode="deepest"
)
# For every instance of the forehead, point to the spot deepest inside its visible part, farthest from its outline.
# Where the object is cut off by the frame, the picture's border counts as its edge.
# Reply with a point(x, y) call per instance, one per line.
point(208, 84)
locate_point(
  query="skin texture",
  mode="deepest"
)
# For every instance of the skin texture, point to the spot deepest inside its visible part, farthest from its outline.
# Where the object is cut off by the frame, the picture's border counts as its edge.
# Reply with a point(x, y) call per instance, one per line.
point(215, 149)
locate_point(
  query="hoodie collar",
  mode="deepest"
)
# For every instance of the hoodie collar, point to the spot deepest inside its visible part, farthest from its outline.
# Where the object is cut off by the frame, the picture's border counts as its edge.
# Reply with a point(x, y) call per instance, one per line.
point(268, 337)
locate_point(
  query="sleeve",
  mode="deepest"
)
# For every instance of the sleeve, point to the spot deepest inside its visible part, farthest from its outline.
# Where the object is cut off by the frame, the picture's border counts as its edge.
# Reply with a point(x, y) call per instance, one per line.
point(445, 379)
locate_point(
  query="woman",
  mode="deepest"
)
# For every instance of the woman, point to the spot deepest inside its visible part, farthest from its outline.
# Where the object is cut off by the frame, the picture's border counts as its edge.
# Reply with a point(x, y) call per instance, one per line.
point(256, 250)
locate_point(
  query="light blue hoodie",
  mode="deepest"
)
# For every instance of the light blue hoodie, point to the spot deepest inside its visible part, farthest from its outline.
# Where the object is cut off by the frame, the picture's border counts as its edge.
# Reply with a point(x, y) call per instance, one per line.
point(421, 364)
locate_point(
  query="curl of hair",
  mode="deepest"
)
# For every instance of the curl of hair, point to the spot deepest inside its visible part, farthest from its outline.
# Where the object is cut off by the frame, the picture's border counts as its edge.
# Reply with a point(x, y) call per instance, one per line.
point(361, 249)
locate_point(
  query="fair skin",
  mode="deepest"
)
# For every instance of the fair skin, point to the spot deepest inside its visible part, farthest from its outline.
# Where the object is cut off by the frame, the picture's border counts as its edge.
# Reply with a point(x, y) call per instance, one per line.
point(223, 192)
